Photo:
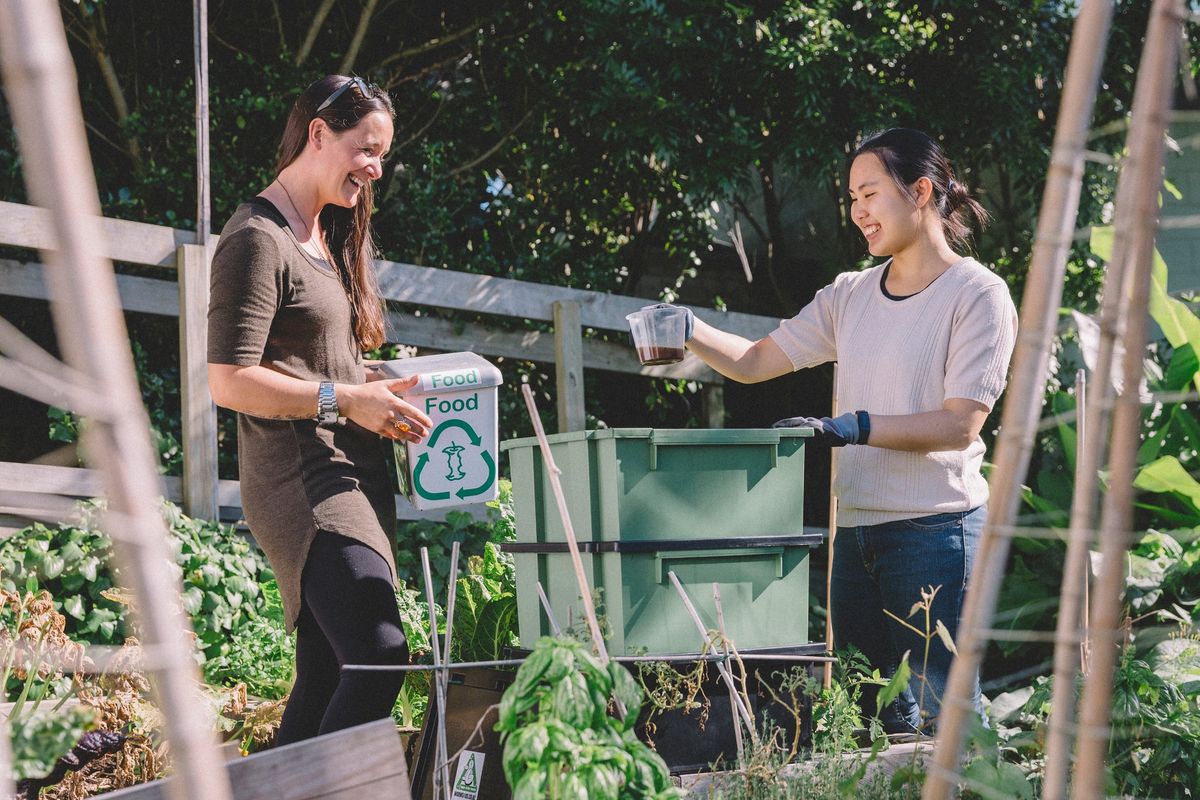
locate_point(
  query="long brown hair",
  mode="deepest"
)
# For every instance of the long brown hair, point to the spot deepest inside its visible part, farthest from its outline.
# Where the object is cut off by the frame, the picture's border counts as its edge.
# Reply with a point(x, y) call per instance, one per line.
point(347, 230)
point(909, 154)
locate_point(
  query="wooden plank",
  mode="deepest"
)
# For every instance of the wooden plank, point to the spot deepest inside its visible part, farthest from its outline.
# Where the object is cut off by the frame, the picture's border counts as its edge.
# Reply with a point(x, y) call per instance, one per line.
point(443, 288)
point(155, 245)
point(45, 479)
point(123, 240)
point(198, 412)
point(449, 336)
point(81, 483)
point(360, 762)
point(144, 295)
point(151, 296)
point(712, 404)
point(36, 505)
point(568, 367)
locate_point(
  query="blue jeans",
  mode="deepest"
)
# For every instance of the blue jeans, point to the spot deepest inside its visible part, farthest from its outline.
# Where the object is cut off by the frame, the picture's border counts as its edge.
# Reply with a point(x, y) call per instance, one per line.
point(885, 566)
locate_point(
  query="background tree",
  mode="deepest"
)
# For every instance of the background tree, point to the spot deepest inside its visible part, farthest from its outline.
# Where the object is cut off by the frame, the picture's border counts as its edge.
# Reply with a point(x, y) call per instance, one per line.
point(600, 144)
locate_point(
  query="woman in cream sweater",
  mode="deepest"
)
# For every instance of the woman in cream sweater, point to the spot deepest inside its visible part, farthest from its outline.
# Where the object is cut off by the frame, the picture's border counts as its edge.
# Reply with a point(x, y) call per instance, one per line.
point(923, 342)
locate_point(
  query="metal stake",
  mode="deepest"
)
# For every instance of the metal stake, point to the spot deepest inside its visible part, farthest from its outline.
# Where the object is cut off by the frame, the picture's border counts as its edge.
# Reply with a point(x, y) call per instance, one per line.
point(546, 607)
point(722, 668)
point(440, 780)
point(737, 725)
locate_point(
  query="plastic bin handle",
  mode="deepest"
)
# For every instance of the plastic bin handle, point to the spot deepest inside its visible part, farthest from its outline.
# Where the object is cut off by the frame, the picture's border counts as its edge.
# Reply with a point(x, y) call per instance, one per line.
point(716, 436)
point(661, 557)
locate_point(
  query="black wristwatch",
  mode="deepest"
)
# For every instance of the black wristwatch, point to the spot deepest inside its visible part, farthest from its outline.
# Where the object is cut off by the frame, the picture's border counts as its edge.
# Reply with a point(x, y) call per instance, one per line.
point(864, 426)
point(327, 407)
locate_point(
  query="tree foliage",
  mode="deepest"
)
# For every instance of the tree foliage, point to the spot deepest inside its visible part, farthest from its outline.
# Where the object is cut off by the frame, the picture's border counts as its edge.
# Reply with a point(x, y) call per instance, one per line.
point(588, 144)
point(615, 146)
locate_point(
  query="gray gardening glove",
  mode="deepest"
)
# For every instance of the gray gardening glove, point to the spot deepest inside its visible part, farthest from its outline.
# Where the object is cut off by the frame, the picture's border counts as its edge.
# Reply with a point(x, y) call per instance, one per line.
point(833, 431)
point(688, 326)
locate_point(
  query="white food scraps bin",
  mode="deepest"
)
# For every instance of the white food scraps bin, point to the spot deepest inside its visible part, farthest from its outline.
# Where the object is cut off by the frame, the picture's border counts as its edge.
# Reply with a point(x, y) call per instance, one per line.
point(456, 464)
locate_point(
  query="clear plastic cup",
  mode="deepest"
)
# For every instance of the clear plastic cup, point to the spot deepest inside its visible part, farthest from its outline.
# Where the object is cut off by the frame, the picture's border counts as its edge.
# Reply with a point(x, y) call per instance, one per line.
point(659, 334)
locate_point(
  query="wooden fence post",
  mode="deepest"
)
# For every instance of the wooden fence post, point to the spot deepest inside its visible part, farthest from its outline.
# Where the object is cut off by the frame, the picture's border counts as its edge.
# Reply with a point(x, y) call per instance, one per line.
point(568, 366)
point(712, 404)
point(196, 405)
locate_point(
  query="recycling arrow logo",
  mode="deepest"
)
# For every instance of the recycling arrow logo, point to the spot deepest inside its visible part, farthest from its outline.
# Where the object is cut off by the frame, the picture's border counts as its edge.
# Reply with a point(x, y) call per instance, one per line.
point(455, 471)
point(466, 785)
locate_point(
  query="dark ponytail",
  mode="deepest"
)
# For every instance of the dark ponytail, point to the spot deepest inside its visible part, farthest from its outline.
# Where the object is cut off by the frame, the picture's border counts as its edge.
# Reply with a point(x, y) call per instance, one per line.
point(347, 230)
point(909, 155)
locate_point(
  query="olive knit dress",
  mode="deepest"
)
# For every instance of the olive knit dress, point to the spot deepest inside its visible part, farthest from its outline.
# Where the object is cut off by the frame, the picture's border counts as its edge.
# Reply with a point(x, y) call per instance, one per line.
point(273, 305)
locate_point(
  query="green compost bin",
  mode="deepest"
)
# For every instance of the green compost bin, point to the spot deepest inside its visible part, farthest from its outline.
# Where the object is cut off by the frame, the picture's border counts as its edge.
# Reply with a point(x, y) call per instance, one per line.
point(713, 506)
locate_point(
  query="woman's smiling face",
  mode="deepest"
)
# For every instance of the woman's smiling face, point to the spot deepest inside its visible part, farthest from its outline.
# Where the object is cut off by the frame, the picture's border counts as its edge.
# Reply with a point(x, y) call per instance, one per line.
point(353, 158)
point(888, 218)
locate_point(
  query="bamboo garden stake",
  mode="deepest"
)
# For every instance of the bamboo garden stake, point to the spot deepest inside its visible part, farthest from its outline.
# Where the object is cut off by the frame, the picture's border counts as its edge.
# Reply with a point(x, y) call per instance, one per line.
point(827, 671)
point(585, 591)
point(1152, 100)
point(6, 761)
point(733, 701)
point(1039, 306)
point(722, 667)
point(545, 601)
point(1085, 579)
point(40, 85)
point(440, 780)
point(444, 675)
point(1069, 640)
point(552, 473)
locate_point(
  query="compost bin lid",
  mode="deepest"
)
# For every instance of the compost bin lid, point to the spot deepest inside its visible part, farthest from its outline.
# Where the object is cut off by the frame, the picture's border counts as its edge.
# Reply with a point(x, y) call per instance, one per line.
point(473, 371)
point(666, 436)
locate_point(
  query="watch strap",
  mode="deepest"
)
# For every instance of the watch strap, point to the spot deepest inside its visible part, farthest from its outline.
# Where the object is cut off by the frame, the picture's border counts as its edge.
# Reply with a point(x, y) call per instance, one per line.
point(327, 407)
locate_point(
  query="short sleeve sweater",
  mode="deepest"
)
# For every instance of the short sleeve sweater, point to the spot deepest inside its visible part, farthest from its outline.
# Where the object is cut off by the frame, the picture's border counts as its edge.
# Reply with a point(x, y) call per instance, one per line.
point(907, 356)
point(272, 305)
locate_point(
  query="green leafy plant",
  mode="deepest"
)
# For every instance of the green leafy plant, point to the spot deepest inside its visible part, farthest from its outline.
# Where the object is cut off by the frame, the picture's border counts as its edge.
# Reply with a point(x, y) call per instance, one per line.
point(1155, 745)
point(560, 741)
point(71, 562)
point(458, 526)
point(160, 394)
point(262, 655)
point(38, 663)
point(39, 739)
point(222, 575)
point(409, 710)
point(834, 768)
point(485, 604)
point(485, 608)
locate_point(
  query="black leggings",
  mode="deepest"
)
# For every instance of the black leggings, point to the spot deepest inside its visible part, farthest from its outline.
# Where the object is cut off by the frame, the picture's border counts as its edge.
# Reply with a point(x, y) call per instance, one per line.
point(348, 615)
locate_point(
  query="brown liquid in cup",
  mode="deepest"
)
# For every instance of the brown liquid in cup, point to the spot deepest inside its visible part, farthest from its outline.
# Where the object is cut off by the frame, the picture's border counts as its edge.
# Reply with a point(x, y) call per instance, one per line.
point(653, 356)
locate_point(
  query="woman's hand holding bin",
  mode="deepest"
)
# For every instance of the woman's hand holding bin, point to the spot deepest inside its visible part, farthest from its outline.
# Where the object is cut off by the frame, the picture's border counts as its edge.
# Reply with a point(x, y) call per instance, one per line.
point(379, 407)
point(844, 429)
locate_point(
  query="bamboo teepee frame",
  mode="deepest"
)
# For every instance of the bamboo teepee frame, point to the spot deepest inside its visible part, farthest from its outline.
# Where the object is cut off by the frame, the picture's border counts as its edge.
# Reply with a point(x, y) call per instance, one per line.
point(1123, 315)
point(1139, 206)
point(40, 84)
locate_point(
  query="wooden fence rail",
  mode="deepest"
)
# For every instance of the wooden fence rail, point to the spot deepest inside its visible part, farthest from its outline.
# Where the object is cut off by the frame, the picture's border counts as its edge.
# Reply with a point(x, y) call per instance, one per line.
point(183, 293)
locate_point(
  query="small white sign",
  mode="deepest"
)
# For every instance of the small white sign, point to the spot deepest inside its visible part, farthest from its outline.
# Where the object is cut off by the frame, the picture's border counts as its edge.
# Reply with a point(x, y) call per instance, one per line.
point(467, 778)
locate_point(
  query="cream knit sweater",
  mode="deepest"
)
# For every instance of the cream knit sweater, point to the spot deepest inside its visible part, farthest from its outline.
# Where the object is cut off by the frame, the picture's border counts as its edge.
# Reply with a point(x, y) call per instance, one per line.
point(906, 356)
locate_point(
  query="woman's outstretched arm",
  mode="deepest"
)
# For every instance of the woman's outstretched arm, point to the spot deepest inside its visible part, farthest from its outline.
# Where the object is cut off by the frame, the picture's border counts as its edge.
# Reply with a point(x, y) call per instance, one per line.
point(736, 357)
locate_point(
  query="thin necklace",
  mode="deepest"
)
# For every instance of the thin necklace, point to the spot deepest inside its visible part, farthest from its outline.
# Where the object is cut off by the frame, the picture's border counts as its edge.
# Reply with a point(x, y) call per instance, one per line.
point(323, 256)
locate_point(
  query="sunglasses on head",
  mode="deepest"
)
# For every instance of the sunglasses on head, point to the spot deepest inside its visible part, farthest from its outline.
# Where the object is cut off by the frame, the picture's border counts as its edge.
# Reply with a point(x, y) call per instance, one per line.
point(362, 85)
